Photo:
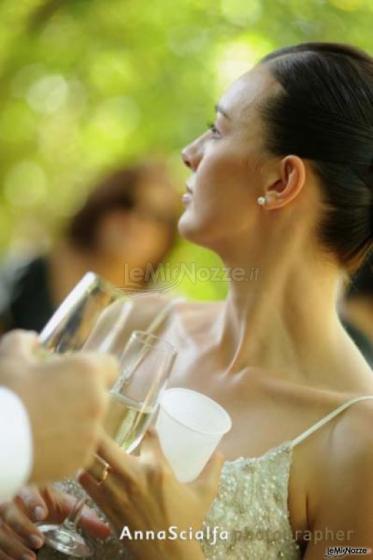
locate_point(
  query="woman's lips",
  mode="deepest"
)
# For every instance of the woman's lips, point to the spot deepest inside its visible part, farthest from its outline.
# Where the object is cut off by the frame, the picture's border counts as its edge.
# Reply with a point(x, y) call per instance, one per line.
point(187, 197)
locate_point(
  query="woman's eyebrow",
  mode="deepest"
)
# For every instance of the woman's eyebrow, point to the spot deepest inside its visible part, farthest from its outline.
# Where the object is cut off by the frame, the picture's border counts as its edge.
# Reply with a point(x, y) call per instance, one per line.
point(219, 109)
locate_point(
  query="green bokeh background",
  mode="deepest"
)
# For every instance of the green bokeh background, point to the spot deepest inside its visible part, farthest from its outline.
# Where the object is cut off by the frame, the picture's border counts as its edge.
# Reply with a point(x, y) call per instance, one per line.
point(89, 84)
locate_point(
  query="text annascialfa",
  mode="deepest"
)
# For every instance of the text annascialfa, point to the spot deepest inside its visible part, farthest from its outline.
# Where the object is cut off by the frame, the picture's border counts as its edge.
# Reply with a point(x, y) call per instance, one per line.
point(173, 533)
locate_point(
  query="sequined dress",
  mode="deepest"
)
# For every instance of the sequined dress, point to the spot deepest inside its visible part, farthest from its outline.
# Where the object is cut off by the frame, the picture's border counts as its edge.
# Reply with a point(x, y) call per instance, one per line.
point(250, 510)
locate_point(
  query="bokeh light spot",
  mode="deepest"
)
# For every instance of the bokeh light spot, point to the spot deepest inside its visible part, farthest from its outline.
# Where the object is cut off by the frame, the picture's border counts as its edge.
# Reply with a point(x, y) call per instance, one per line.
point(25, 184)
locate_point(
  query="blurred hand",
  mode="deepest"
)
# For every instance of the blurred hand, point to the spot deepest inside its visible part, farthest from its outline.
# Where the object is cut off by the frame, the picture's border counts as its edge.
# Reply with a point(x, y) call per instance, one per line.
point(66, 399)
point(142, 493)
point(18, 533)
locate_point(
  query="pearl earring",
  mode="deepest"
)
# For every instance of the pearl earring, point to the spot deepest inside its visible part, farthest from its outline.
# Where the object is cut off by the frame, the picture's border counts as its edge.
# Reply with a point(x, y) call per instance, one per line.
point(262, 200)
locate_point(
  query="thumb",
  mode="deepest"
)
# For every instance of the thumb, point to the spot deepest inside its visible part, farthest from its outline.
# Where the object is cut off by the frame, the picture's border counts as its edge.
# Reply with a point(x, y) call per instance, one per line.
point(208, 481)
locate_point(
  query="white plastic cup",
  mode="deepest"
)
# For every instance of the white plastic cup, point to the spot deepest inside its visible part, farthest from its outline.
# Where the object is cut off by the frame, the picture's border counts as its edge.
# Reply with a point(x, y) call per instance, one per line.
point(190, 426)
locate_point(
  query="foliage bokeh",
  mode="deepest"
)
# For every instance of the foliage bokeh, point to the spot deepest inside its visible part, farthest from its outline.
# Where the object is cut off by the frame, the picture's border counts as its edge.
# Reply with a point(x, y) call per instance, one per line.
point(88, 84)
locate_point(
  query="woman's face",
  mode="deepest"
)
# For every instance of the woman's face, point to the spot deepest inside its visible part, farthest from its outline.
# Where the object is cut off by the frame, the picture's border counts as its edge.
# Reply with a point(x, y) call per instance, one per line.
point(227, 166)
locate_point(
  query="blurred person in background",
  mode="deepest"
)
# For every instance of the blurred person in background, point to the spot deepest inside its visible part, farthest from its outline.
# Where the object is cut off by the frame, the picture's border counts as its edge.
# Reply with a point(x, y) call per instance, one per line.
point(123, 231)
point(357, 309)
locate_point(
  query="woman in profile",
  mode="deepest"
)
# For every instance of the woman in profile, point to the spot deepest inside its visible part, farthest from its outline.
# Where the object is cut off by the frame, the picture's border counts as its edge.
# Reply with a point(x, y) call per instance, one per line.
point(282, 181)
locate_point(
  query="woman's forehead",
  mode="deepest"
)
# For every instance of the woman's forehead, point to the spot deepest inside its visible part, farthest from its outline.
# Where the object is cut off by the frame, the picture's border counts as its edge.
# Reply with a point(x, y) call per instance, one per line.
point(243, 95)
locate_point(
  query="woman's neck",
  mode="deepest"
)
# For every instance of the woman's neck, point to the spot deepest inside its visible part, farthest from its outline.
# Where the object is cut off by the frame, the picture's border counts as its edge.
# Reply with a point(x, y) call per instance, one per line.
point(282, 318)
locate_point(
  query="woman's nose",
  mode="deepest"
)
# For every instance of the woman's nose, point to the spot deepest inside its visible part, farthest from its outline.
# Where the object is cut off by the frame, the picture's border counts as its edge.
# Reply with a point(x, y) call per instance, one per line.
point(191, 156)
point(185, 157)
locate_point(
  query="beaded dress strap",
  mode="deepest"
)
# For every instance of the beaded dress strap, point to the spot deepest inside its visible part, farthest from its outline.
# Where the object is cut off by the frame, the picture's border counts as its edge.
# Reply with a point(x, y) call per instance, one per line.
point(326, 419)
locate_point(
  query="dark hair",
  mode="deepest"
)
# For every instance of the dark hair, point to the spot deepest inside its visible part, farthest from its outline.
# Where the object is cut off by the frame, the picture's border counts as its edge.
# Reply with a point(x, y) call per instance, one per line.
point(362, 282)
point(118, 190)
point(325, 114)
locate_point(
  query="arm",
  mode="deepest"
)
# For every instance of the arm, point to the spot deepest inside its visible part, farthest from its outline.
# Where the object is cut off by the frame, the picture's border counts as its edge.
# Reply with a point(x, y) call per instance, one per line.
point(343, 515)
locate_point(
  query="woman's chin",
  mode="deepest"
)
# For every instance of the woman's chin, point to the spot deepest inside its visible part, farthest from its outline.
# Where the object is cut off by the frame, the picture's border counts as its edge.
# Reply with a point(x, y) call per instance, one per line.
point(194, 233)
point(188, 228)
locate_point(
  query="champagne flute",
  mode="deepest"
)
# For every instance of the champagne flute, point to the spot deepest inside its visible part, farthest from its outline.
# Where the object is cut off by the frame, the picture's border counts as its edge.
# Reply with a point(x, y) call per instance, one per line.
point(145, 366)
point(73, 322)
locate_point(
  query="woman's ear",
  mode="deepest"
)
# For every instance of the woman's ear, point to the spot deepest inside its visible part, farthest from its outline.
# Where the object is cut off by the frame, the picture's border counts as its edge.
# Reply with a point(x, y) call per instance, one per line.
point(288, 185)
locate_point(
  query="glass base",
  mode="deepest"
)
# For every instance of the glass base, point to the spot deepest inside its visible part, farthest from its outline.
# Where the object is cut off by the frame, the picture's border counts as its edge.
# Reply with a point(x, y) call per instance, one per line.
point(66, 540)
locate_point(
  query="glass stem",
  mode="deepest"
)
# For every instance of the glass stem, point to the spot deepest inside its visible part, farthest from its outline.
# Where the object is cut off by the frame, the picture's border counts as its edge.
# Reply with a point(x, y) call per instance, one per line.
point(72, 520)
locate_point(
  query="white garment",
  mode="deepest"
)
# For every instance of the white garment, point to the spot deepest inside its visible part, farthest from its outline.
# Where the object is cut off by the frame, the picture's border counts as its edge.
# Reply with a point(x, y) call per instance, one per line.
point(16, 455)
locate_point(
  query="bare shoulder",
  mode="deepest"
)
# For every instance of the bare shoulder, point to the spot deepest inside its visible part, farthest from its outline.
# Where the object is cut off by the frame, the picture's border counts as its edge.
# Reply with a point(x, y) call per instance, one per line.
point(353, 434)
point(342, 499)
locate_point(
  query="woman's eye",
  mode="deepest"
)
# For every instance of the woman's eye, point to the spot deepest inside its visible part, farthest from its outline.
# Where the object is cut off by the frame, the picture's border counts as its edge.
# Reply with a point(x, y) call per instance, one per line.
point(213, 129)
